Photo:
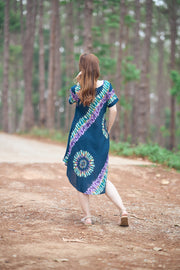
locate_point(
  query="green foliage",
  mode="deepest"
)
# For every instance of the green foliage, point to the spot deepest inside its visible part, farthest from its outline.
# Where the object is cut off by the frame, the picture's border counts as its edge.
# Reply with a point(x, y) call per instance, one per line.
point(108, 65)
point(124, 103)
point(167, 117)
point(79, 42)
point(112, 21)
point(63, 2)
point(129, 20)
point(15, 52)
point(14, 21)
point(165, 132)
point(1, 72)
point(118, 148)
point(153, 152)
point(175, 90)
point(96, 31)
point(62, 92)
point(2, 5)
point(54, 135)
point(14, 18)
point(35, 98)
point(129, 70)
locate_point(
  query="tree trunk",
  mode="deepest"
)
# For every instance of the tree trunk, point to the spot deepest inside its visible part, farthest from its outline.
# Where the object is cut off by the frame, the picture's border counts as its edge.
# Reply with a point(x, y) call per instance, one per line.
point(42, 115)
point(173, 34)
point(160, 106)
point(126, 91)
point(27, 120)
point(112, 39)
point(115, 135)
point(144, 99)
point(69, 61)
point(87, 26)
point(6, 68)
point(22, 23)
point(136, 60)
point(58, 70)
point(14, 5)
point(52, 67)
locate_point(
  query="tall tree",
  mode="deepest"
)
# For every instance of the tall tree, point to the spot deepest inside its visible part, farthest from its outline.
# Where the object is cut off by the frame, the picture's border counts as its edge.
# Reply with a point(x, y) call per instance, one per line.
point(52, 66)
point(112, 35)
point(137, 63)
point(14, 5)
point(69, 59)
point(88, 10)
point(58, 75)
point(42, 114)
point(173, 5)
point(159, 120)
point(118, 83)
point(27, 120)
point(22, 23)
point(126, 88)
point(6, 68)
point(144, 93)
point(130, 73)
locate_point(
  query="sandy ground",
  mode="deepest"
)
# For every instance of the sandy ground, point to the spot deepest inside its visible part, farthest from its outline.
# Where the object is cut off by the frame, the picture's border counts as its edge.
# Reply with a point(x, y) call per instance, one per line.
point(40, 216)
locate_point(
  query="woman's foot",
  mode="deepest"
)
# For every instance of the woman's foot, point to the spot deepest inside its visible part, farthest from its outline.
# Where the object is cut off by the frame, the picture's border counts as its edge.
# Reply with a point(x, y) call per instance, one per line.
point(124, 219)
point(87, 221)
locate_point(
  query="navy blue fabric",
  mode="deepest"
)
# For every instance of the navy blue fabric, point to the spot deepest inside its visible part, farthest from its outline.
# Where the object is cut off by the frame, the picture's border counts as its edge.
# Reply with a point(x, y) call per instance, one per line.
point(87, 150)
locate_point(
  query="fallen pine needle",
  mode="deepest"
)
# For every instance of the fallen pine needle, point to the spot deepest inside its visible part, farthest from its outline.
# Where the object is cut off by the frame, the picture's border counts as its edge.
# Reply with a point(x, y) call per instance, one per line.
point(137, 217)
point(73, 240)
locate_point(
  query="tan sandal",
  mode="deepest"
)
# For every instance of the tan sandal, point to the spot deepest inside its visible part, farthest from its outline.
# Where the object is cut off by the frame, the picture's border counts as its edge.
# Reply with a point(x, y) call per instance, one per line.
point(84, 221)
point(124, 220)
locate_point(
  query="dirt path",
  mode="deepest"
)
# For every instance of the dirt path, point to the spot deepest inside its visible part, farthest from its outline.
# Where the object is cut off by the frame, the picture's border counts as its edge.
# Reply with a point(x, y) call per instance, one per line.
point(39, 214)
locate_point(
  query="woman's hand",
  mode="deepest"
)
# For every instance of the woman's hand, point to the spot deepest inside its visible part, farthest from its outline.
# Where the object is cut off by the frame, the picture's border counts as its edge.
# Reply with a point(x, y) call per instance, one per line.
point(78, 75)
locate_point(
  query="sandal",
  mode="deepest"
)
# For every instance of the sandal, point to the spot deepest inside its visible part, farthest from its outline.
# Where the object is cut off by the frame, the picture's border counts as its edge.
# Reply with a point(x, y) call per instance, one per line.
point(124, 220)
point(84, 221)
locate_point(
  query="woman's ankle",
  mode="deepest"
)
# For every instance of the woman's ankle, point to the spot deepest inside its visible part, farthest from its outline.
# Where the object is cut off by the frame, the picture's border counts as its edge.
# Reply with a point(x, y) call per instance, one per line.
point(124, 211)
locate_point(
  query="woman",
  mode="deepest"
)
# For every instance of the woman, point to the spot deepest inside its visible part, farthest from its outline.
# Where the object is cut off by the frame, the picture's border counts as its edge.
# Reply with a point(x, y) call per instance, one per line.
point(86, 156)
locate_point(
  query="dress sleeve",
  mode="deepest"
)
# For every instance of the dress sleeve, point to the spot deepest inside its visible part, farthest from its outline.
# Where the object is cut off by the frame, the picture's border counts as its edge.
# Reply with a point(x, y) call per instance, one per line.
point(112, 98)
point(73, 97)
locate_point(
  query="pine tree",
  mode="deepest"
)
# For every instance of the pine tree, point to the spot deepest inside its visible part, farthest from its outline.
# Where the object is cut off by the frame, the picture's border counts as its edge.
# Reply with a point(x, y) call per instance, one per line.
point(6, 68)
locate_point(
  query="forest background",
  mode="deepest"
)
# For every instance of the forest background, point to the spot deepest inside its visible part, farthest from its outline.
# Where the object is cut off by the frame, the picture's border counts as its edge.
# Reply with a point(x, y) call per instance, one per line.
point(138, 46)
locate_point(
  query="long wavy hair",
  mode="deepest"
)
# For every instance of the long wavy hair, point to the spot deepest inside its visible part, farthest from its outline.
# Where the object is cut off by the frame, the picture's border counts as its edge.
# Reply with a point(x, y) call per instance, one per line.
point(89, 74)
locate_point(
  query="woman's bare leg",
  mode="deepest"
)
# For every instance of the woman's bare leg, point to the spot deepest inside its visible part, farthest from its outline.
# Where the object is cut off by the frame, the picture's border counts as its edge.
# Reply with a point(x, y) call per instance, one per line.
point(84, 202)
point(114, 196)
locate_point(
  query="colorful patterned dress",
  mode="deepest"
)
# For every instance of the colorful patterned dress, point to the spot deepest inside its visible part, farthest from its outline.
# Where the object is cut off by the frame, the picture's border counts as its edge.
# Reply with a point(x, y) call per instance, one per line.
point(87, 150)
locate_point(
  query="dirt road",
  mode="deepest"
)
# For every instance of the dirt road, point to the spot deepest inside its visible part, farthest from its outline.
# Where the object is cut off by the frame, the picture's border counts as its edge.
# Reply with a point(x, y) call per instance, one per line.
point(40, 224)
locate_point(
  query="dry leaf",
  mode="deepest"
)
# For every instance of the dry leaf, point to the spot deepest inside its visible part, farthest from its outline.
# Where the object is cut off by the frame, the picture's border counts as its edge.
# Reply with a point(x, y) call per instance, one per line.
point(64, 260)
point(157, 248)
point(73, 240)
point(165, 182)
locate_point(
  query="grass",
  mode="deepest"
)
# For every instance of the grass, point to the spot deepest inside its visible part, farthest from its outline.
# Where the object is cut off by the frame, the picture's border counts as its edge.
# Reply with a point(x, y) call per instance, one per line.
point(42, 133)
point(153, 152)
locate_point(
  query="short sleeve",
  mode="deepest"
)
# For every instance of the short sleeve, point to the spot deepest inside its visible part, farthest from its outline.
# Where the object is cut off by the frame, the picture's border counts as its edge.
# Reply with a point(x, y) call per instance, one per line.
point(112, 98)
point(73, 97)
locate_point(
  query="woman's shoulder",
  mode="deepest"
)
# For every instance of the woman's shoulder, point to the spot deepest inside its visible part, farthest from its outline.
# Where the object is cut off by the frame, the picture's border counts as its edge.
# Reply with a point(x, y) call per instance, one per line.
point(108, 85)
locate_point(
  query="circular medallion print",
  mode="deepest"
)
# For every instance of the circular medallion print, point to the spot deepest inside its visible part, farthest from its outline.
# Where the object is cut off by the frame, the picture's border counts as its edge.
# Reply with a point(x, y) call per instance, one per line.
point(83, 163)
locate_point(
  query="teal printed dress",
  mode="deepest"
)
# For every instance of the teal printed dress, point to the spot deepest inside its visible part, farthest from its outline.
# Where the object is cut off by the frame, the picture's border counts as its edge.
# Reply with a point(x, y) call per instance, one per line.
point(87, 150)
